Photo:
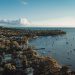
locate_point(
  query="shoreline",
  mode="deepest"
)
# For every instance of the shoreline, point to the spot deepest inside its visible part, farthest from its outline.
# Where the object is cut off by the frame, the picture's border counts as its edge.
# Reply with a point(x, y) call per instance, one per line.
point(30, 32)
point(27, 56)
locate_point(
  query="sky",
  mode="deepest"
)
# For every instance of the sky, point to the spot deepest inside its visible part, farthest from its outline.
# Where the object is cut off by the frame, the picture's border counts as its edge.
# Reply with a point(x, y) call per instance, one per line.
point(52, 13)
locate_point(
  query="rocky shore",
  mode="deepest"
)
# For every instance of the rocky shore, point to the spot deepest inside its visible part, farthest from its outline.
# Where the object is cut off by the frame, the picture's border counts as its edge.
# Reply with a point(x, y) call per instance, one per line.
point(22, 32)
point(18, 58)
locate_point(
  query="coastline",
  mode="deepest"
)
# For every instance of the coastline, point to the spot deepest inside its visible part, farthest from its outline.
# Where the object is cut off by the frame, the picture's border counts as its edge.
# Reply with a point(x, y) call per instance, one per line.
point(41, 65)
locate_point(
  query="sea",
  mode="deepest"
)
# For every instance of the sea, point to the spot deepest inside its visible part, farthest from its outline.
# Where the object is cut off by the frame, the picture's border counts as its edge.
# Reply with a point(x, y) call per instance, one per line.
point(61, 48)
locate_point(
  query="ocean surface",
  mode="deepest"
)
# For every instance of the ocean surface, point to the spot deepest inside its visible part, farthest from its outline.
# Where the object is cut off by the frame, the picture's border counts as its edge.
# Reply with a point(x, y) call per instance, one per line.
point(61, 48)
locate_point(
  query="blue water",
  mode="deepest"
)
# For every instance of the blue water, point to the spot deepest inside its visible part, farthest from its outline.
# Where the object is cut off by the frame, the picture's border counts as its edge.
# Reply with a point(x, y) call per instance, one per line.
point(61, 48)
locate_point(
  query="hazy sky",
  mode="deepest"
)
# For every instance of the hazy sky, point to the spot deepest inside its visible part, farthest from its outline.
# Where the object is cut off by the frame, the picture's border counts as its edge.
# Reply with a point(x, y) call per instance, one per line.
point(47, 12)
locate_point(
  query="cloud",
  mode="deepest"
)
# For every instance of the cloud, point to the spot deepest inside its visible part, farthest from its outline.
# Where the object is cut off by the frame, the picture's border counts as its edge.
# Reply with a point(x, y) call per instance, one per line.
point(24, 2)
point(24, 21)
point(19, 22)
point(56, 22)
point(6, 21)
point(52, 22)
